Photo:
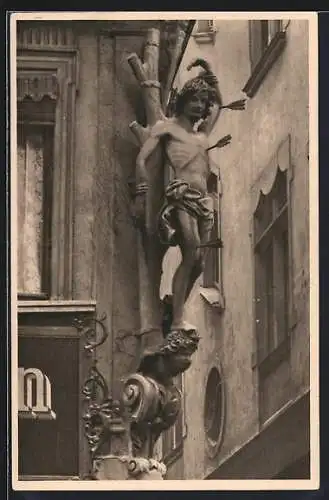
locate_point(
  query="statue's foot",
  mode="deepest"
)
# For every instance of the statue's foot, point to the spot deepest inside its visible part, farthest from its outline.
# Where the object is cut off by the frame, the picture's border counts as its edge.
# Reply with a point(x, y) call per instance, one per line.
point(183, 326)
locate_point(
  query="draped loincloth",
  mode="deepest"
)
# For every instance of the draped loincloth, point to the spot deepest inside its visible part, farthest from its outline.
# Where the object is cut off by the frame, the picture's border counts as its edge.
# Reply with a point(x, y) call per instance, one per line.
point(180, 196)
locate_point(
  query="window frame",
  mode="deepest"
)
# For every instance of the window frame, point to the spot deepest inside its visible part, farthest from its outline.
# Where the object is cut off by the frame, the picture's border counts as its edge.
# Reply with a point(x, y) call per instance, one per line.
point(64, 66)
point(267, 241)
point(267, 53)
point(281, 160)
point(212, 286)
point(277, 362)
point(202, 36)
point(213, 445)
point(46, 207)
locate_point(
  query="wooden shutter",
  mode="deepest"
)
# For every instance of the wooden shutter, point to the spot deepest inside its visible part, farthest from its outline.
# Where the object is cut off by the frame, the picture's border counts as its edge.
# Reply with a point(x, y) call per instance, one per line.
point(273, 28)
point(255, 42)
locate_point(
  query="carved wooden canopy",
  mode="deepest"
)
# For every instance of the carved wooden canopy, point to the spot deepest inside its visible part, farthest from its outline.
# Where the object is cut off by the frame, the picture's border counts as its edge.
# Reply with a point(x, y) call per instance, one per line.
point(36, 86)
point(264, 183)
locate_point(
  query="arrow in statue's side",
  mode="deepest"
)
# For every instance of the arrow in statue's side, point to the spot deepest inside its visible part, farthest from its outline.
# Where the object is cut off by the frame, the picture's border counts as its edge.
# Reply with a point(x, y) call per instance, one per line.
point(34, 395)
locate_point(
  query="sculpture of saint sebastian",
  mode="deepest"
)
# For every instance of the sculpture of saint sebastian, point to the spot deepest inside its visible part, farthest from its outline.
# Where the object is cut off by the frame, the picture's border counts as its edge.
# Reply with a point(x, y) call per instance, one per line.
point(187, 216)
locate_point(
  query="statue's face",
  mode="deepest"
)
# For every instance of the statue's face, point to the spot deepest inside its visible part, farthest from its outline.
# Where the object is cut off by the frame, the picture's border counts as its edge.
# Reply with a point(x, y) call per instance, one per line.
point(195, 107)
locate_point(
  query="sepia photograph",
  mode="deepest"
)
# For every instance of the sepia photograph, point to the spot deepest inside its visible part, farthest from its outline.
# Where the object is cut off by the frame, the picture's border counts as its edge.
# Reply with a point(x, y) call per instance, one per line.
point(164, 240)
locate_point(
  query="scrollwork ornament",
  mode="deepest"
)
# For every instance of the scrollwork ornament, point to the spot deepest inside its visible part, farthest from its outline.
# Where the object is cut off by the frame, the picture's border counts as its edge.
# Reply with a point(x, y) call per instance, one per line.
point(139, 465)
point(101, 413)
point(94, 331)
point(153, 407)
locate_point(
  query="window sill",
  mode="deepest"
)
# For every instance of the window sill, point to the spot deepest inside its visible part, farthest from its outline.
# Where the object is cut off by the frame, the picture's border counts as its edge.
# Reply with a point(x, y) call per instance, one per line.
point(205, 37)
point(213, 297)
point(60, 306)
point(265, 63)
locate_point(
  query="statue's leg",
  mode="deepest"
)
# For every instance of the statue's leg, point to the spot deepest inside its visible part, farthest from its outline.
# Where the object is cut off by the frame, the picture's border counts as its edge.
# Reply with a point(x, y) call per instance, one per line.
point(195, 273)
point(189, 241)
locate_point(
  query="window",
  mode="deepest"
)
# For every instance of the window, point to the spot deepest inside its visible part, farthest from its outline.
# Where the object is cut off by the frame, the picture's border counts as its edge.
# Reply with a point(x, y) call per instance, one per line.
point(212, 276)
point(272, 283)
point(45, 112)
point(266, 42)
point(205, 31)
point(204, 26)
point(35, 147)
point(214, 411)
point(172, 439)
point(272, 267)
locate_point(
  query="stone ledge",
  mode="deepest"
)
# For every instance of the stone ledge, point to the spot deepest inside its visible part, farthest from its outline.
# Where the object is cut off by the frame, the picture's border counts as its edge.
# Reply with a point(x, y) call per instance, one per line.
point(213, 297)
point(60, 306)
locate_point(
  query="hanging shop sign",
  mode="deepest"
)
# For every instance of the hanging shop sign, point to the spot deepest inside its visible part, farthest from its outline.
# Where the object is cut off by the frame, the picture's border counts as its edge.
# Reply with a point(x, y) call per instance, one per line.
point(49, 396)
point(34, 392)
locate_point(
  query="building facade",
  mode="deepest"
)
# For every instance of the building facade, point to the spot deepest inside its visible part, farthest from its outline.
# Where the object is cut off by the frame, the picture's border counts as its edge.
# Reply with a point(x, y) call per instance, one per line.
point(247, 404)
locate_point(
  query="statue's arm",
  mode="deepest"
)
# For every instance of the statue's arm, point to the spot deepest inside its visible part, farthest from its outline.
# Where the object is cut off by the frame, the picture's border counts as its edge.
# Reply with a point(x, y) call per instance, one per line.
point(145, 152)
point(142, 185)
point(158, 131)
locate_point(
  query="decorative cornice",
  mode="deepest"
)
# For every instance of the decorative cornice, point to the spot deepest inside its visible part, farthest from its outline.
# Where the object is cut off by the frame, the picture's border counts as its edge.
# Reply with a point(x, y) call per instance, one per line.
point(37, 86)
point(44, 35)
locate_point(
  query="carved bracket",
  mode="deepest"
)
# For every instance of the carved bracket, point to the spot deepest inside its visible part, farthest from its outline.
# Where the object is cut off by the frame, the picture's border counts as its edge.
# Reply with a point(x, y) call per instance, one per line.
point(150, 394)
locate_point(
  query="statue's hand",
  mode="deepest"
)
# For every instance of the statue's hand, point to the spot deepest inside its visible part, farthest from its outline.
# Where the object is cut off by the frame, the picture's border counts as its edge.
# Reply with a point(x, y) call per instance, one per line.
point(139, 210)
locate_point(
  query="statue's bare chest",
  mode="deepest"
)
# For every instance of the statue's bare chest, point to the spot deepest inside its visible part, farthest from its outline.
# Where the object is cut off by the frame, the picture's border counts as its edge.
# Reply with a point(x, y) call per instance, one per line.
point(181, 151)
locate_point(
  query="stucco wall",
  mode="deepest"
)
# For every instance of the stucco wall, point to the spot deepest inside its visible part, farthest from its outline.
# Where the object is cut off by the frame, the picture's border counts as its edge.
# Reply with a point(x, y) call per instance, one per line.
point(279, 108)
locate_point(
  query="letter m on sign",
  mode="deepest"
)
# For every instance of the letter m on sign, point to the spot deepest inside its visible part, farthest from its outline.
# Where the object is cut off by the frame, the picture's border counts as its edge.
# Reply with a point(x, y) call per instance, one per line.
point(34, 394)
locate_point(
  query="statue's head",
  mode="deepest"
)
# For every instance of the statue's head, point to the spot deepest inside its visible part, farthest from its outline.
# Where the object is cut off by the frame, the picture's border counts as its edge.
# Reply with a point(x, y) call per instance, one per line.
point(195, 99)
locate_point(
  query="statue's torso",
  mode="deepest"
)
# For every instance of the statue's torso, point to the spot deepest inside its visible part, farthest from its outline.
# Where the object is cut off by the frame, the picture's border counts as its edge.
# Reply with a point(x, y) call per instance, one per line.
point(187, 157)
